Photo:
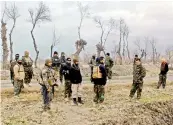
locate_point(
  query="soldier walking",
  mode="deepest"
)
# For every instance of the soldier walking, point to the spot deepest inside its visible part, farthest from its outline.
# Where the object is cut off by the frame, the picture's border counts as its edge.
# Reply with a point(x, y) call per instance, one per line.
point(19, 76)
point(65, 70)
point(163, 74)
point(139, 73)
point(99, 78)
point(12, 64)
point(108, 65)
point(27, 63)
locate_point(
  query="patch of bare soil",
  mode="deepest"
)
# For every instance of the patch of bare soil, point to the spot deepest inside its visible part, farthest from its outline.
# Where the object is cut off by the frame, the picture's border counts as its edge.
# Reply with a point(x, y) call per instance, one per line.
point(154, 108)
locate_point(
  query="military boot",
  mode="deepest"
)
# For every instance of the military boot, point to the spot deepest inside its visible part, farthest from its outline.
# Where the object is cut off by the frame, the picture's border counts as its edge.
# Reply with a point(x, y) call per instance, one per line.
point(74, 102)
point(80, 101)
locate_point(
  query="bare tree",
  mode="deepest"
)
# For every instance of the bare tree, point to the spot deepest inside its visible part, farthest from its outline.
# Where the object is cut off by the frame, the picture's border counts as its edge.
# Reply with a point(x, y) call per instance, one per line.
point(83, 13)
point(104, 34)
point(55, 41)
point(40, 14)
point(141, 50)
point(4, 41)
point(12, 13)
point(169, 53)
point(154, 51)
point(127, 42)
point(121, 23)
point(146, 40)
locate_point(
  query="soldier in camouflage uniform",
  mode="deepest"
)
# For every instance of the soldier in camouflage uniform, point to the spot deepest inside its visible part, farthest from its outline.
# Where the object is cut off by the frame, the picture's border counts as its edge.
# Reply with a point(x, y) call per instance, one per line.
point(27, 63)
point(63, 61)
point(136, 57)
point(19, 76)
point(99, 83)
point(108, 65)
point(163, 74)
point(91, 64)
point(56, 63)
point(139, 73)
point(12, 64)
point(47, 81)
point(65, 70)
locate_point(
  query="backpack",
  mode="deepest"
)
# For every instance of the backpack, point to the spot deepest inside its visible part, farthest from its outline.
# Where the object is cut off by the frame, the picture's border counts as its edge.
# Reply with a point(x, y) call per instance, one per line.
point(96, 72)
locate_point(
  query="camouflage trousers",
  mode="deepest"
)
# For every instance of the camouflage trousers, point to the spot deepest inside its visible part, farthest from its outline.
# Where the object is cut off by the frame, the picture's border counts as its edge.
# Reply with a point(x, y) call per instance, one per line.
point(47, 97)
point(67, 91)
point(17, 86)
point(162, 80)
point(109, 72)
point(136, 87)
point(99, 91)
point(57, 73)
point(28, 77)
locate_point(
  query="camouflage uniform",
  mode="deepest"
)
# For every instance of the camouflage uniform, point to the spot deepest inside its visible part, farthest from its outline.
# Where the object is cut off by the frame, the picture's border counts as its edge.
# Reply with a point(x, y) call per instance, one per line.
point(139, 73)
point(99, 83)
point(48, 82)
point(65, 70)
point(92, 63)
point(27, 63)
point(108, 65)
point(163, 75)
point(19, 76)
point(99, 91)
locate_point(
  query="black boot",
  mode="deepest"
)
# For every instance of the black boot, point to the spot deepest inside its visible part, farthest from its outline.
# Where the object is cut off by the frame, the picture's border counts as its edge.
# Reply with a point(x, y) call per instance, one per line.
point(74, 101)
point(80, 100)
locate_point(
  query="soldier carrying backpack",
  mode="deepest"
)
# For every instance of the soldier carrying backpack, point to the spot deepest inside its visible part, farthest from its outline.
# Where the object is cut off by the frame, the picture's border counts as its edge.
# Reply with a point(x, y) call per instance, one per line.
point(99, 78)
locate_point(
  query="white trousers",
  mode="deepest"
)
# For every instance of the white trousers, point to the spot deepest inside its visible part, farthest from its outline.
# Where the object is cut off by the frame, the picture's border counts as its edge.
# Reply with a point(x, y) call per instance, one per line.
point(76, 90)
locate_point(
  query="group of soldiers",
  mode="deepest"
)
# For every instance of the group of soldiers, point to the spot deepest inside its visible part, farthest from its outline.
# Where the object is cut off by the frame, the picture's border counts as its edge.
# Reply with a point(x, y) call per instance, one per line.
point(21, 71)
point(57, 68)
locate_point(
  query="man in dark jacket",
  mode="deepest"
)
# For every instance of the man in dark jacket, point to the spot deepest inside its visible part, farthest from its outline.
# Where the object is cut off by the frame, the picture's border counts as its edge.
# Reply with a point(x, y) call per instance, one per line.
point(76, 79)
point(63, 61)
point(65, 70)
point(99, 80)
point(163, 73)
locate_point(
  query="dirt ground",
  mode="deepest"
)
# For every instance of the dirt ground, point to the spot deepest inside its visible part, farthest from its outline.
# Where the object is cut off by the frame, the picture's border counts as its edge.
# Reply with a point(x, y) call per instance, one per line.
point(154, 108)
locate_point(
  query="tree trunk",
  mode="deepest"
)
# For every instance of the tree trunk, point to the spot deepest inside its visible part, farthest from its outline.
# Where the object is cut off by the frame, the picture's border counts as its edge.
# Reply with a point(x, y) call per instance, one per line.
point(123, 47)
point(11, 43)
point(51, 51)
point(127, 47)
point(78, 51)
point(35, 47)
point(4, 44)
point(119, 49)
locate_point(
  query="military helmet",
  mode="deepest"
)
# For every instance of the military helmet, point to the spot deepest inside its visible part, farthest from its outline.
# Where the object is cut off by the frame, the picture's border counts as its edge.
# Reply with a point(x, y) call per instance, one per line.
point(47, 61)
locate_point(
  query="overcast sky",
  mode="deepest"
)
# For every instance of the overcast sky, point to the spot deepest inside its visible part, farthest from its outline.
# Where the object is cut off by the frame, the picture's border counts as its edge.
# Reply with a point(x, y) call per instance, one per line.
point(153, 19)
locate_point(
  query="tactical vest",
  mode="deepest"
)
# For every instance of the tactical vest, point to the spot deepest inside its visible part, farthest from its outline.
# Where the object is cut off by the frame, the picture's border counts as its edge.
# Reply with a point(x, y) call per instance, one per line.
point(27, 61)
point(96, 72)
